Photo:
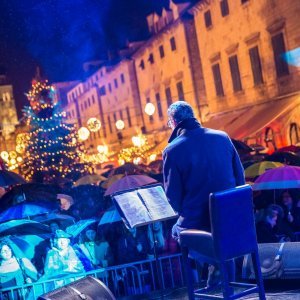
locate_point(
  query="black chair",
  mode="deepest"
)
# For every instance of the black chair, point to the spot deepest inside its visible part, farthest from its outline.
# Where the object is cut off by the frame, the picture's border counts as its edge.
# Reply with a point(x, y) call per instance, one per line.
point(233, 235)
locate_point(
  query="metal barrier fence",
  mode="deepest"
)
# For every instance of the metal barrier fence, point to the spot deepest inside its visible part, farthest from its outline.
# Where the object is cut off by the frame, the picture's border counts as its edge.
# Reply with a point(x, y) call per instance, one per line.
point(124, 280)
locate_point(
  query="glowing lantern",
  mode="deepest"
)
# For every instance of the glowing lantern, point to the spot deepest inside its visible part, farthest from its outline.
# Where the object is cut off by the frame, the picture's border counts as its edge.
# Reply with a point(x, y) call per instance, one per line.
point(138, 141)
point(152, 157)
point(102, 149)
point(83, 133)
point(93, 124)
point(120, 124)
point(137, 160)
point(19, 159)
point(4, 155)
point(149, 109)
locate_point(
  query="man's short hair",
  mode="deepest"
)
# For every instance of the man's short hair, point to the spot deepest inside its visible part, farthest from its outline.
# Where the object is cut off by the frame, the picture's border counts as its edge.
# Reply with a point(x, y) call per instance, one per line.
point(180, 110)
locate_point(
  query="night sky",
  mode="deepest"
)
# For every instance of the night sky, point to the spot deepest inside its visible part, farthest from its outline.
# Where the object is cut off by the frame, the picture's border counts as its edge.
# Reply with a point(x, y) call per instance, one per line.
point(60, 35)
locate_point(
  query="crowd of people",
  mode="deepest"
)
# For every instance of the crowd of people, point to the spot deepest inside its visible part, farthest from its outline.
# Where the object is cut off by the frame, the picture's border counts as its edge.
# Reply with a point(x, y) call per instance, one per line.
point(279, 222)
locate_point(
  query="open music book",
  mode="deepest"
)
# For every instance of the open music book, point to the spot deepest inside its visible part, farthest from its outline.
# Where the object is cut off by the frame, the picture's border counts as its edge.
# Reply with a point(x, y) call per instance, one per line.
point(143, 205)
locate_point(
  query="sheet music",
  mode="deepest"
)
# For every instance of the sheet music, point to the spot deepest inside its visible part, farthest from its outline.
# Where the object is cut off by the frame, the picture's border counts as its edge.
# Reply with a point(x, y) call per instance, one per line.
point(133, 208)
point(157, 203)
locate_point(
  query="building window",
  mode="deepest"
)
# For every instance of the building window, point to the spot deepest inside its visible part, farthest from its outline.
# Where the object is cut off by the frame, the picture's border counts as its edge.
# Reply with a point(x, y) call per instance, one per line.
point(294, 134)
point(93, 99)
point(168, 96)
point(224, 8)
point(173, 43)
point(180, 90)
point(116, 83)
point(109, 87)
point(128, 117)
point(218, 80)
point(109, 124)
point(121, 114)
point(207, 19)
point(142, 64)
point(151, 58)
point(102, 90)
point(89, 102)
point(161, 51)
point(158, 103)
point(256, 65)
point(122, 78)
point(150, 117)
point(244, 1)
point(279, 51)
point(81, 107)
point(235, 73)
point(115, 117)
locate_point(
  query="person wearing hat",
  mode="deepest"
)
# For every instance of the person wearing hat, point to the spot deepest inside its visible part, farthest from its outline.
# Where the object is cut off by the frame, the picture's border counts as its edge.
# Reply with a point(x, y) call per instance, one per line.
point(62, 258)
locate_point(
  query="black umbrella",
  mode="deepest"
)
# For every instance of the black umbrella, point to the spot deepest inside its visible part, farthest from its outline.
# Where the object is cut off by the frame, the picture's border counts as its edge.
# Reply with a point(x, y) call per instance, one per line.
point(23, 227)
point(288, 158)
point(8, 178)
point(241, 146)
point(30, 192)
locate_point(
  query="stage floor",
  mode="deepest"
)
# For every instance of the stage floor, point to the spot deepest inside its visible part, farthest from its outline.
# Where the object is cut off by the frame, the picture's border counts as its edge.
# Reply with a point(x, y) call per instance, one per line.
point(276, 290)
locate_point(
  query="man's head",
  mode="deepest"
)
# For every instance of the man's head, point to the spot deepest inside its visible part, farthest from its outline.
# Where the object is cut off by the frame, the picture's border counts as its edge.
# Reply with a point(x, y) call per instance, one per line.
point(271, 216)
point(61, 239)
point(179, 111)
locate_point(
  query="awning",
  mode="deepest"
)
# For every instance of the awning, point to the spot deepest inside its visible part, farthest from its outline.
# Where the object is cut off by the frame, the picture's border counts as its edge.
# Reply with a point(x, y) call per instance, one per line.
point(245, 122)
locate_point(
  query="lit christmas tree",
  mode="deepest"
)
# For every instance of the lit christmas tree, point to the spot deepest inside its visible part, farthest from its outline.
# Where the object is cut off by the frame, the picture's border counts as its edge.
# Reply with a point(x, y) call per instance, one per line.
point(53, 151)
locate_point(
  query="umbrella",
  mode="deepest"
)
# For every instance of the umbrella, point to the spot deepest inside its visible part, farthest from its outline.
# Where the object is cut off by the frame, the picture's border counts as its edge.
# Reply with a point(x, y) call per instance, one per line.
point(23, 246)
point(31, 192)
point(286, 177)
point(285, 157)
point(81, 225)
point(110, 216)
point(129, 182)
point(23, 227)
point(63, 220)
point(25, 210)
point(290, 148)
point(241, 146)
point(10, 178)
point(127, 169)
point(109, 181)
point(90, 179)
point(260, 168)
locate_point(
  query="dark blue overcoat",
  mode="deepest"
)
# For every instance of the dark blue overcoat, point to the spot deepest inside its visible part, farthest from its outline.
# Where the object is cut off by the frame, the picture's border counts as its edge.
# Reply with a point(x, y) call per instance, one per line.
point(197, 162)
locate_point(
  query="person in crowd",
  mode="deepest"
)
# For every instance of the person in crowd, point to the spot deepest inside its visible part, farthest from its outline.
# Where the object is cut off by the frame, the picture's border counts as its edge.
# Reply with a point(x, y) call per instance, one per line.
point(196, 162)
point(62, 258)
point(42, 249)
point(14, 270)
point(265, 229)
point(132, 245)
point(97, 250)
point(291, 219)
point(155, 235)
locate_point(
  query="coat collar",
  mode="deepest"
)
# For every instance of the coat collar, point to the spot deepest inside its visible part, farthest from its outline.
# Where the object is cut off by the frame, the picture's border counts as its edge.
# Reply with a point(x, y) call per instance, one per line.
point(183, 126)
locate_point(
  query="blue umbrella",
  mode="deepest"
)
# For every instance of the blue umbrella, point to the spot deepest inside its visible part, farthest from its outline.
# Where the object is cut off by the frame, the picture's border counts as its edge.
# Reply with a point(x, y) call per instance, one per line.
point(110, 216)
point(23, 227)
point(78, 227)
point(25, 210)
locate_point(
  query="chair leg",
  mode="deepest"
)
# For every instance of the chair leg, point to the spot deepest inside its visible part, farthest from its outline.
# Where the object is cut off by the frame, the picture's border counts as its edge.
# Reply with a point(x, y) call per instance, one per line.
point(227, 290)
point(188, 272)
point(258, 275)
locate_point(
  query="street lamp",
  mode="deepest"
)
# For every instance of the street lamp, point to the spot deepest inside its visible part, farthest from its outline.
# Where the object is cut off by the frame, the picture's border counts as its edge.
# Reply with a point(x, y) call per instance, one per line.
point(120, 124)
point(83, 133)
point(149, 109)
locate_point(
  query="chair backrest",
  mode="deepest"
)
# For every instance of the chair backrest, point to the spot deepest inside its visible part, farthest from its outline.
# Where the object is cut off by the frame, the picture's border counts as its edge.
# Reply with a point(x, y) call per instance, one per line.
point(232, 222)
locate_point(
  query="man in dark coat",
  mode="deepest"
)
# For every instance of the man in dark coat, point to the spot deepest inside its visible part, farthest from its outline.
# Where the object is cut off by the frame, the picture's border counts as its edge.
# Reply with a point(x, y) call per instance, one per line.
point(197, 161)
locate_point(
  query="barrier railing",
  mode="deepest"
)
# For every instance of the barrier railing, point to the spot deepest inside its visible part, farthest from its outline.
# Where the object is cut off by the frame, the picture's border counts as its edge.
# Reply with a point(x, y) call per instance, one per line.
point(123, 280)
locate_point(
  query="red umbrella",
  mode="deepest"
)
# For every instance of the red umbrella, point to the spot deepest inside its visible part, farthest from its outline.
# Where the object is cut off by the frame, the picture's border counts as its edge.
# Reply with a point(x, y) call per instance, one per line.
point(129, 182)
point(286, 177)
